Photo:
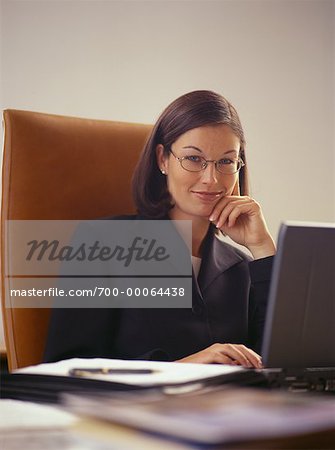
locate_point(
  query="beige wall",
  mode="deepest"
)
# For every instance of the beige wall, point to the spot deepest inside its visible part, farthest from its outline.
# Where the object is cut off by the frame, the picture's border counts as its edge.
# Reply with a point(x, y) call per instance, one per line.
point(126, 60)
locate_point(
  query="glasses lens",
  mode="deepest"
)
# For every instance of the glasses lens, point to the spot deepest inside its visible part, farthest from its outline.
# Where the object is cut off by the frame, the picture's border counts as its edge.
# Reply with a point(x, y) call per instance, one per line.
point(197, 163)
point(193, 163)
point(229, 166)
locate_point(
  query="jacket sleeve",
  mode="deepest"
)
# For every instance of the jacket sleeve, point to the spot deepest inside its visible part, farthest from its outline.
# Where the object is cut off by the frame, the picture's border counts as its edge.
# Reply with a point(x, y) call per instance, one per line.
point(76, 327)
point(88, 333)
point(260, 275)
point(80, 333)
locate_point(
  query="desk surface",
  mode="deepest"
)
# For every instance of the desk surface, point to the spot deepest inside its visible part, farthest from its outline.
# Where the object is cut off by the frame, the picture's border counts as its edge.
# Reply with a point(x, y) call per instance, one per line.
point(135, 439)
point(232, 410)
point(43, 429)
point(90, 434)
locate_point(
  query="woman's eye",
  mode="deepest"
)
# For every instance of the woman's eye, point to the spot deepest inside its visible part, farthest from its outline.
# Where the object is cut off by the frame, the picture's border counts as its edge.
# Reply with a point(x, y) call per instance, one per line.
point(193, 158)
point(226, 162)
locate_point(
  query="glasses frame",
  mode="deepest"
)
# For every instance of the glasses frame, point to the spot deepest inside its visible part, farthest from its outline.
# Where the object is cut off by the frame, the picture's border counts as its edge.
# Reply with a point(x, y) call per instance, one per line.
point(205, 164)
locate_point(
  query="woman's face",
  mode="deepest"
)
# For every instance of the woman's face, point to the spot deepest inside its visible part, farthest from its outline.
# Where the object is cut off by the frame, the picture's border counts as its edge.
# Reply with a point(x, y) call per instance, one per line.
point(195, 194)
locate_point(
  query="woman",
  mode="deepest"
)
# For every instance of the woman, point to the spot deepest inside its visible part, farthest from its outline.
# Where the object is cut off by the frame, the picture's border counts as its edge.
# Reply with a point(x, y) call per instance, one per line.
point(193, 167)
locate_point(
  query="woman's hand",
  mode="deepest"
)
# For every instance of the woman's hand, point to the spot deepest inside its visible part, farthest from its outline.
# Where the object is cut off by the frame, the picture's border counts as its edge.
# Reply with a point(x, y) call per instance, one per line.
point(234, 354)
point(241, 218)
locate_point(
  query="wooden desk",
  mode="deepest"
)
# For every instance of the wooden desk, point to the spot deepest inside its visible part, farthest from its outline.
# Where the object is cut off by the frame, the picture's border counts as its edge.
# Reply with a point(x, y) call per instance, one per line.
point(105, 435)
point(130, 438)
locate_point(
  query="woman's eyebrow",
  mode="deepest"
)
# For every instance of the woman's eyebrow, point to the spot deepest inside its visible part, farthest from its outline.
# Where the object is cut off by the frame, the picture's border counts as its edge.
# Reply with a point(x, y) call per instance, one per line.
point(199, 149)
point(232, 151)
point(192, 146)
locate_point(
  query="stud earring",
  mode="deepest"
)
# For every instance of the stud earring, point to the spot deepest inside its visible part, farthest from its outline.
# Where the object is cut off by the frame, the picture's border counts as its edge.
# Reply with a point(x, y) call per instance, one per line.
point(163, 172)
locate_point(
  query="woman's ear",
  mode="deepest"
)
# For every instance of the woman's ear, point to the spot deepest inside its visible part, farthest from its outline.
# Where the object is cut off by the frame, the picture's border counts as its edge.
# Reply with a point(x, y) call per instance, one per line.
point(161, 159)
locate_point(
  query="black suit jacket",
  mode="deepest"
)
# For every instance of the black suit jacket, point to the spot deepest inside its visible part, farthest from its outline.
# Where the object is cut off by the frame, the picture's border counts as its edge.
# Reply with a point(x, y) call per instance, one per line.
point(229, 305)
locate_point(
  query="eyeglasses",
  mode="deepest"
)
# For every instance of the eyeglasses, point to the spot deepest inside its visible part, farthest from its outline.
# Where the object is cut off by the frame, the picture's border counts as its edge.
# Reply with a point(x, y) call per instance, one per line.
point(195, 163)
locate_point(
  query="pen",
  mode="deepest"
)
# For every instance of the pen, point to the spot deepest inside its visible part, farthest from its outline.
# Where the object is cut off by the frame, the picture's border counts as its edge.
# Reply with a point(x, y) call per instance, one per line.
point(86, 372)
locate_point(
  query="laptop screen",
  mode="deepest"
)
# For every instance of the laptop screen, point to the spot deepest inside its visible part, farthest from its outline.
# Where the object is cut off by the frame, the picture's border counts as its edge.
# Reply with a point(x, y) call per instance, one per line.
point(300, 322)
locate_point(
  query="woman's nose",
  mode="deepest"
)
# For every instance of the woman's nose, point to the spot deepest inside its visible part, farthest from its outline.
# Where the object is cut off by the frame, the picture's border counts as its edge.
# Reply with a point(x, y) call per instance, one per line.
point(209, 174)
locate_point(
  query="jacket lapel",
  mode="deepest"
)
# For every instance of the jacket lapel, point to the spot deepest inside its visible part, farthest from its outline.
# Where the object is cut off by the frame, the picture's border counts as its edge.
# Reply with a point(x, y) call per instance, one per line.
point(218, 257)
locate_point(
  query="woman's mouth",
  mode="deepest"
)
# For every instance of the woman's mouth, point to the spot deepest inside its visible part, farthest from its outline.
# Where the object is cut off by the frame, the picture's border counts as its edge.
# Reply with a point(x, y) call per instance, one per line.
point(207, 196)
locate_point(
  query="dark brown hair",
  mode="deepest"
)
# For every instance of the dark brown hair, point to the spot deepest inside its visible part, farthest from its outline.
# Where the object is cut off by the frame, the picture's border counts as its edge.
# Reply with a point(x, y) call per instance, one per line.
point(192, 110)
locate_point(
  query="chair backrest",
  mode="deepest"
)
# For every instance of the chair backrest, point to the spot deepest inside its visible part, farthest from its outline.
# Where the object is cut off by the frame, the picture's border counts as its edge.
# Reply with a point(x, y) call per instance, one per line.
point(58, 167)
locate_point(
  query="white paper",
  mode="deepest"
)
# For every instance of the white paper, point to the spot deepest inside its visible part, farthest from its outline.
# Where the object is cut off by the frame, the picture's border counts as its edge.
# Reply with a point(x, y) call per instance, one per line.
point(19, 415)
point(165, 372)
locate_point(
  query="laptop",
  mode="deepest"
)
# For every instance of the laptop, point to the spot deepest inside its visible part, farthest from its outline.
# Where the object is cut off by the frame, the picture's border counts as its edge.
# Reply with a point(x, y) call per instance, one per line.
point(299, 337)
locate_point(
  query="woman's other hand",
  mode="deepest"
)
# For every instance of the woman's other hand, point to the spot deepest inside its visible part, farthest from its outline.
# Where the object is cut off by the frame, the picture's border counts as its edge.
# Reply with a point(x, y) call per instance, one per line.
point(234, 354)
point(241, 218)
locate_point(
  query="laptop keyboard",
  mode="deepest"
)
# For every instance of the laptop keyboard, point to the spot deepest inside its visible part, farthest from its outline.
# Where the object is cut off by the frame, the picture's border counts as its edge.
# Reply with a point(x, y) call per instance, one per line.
point(318, 379)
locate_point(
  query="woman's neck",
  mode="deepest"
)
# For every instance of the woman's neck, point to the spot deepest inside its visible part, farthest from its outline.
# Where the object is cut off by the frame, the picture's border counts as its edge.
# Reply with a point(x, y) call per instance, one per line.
point(199, 230)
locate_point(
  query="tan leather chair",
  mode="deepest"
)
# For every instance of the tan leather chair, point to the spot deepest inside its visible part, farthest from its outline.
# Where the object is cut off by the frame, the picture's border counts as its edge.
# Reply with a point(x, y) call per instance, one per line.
point(57, 167)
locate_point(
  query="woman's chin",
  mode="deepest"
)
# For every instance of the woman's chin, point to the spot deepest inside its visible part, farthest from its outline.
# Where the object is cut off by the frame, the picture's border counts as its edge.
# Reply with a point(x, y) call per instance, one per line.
point(204, 212)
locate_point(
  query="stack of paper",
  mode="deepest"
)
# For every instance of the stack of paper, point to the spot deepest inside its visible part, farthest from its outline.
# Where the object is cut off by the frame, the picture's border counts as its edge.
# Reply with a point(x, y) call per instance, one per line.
point(158, 373)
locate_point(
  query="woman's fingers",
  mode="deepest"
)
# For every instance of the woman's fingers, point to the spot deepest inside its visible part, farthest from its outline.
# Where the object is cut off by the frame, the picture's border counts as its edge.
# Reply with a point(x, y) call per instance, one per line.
point(232, 212)
point(252, 356)
point(242, 220)
point(236, 354)
point(233, 353)
point(230, 208)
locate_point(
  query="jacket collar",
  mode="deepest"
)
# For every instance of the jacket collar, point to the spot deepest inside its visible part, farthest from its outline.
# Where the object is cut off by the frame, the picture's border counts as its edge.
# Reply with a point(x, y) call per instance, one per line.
point(218, 257)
